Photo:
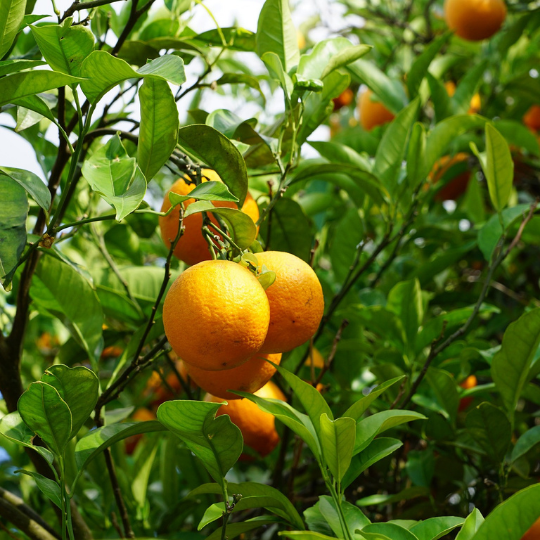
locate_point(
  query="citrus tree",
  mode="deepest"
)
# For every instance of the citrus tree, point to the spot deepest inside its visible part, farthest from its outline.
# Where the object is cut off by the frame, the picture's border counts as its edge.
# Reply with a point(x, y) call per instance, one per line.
point(319, 319)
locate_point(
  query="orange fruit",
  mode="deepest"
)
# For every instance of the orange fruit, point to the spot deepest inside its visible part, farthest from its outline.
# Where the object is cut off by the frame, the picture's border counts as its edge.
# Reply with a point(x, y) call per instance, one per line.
point(113, 351)
point(248, 377)
point(316, 358)
point(372, 113)
point(458, 185)
point(532, 118)
point(192, 247)
point(216, 315)
point(469, 382)
point(474, 106)
point(475, 20)
point(345, 98)
point(534, 532)
point(258, 428)
point(141, 415)
point(296, 301)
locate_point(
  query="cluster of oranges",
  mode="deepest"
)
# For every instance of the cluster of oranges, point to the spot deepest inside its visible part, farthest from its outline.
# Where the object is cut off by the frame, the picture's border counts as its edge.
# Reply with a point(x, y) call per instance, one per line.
point(228, 330)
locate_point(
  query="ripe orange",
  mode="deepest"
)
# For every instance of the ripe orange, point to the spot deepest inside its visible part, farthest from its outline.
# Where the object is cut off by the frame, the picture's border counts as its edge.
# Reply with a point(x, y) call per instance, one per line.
point(469, 382)
point(474, 106)
point(457, 186)
point(216, 315)
point(248, 377)
point(534, 532)
point(345, 98)
point(257, 427)
point(141, 415)
point(532, 118)
point(316, 358)
point(475, 20)
point(372, 113)
point(296, 301)
point(192, 247)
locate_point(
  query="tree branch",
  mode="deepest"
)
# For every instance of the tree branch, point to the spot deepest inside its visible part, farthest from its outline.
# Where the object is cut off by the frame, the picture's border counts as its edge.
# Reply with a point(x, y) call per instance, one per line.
point(79, 6)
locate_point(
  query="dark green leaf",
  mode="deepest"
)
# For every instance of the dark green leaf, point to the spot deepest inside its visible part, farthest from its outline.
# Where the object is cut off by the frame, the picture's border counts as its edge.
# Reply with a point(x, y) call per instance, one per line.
point(443, 386)
point(31, 183)
point(236, 529)
point(525, 443)
point(405, 495)
point(405, 300)
point(48, 487)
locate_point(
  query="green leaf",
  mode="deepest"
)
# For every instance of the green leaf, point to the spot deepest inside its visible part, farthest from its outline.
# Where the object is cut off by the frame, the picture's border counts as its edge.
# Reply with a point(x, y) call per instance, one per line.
point(405, 495)
point(499, 170)
point(305, 535)
point(64, 46)
point(440, 98)
point(337, 442)
point(240, 225)
point(282, 506)
point(354, 517)
point(328, 55)
point(377, 450)
point(47, 415)
point(466, 89)
point(238, 39)
point(524, 444)
point(159, 126)
point(104, 71)
point(491, 429)
point(97, 440)
point(390, 530)
point(471, 525)
point(216, 151)
point(13, 428)
point(217, 442)
point(13, 213)
point(416, 155)
point(66, 294)
point(276, 33)
point(340, 153)
point(510, 366)
point(368, 428)
point(405, 300)
point(48, 487)
point(275, 69)
point(291, 229)
point(443, 386)
point(36, 104)
point(390, 92)
point(78, 387)
point(14, 66)
point(356, 410)
point(420, 66)
point(391, 150)
point(205, 191)
point(519, 135)
point(11, 17)
point(31, 183)
point(139, 485)
point(512, 518)
point(434, 528)
point(236, 529)
point(28, 83)
point(116, 177)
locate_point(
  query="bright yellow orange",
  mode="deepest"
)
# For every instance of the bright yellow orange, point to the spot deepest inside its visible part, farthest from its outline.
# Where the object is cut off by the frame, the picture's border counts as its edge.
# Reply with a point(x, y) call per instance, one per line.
point(372, 113)
point(301, 40)
point(216, 315)
point(475, 20)
point(474, 106)
point(248, 377)
point(192, 248)
point(316, 358)
point(257, 427)
point(345, 98)
point(532, 118)
point(534, 532)
point(296, 301)
point(468, 383)
point(458, 185)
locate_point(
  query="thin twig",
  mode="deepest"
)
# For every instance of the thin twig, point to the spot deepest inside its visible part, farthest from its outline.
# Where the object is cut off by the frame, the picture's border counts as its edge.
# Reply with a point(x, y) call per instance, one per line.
point(79, 6)
point(327, 364)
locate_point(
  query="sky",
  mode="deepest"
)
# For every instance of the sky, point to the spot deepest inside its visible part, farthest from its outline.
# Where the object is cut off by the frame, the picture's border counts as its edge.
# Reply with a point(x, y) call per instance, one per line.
point(15, 151)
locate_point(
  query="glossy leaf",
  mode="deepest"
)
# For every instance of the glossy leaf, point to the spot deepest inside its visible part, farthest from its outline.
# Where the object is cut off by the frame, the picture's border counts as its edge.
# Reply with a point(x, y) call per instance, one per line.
point(78, 387)
point(405, 300)
point(159, 126)
point(31, 183)
point(337, 442)
point(390, 530)
point(28, 83)
point(276, 33)
point(435, 528)
point(58, 288)
point(64, 46)
point(512, 518)
point(471, 525)
point(48, 487)
point(116, 177)
point(215, 150)
point(276, 70)
point(11, 17)
point(510, 366)
point(524, 444)
point(47, 415)
point(13, 213)
point(377, 450)
point(490, 429)
point(217, 442)
point(205, 191)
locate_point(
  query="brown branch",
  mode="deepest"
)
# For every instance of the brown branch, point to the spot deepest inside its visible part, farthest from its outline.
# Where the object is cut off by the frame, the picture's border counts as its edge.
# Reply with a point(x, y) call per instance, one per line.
point(79, 6)
point(332, 354)
point(134, 16)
